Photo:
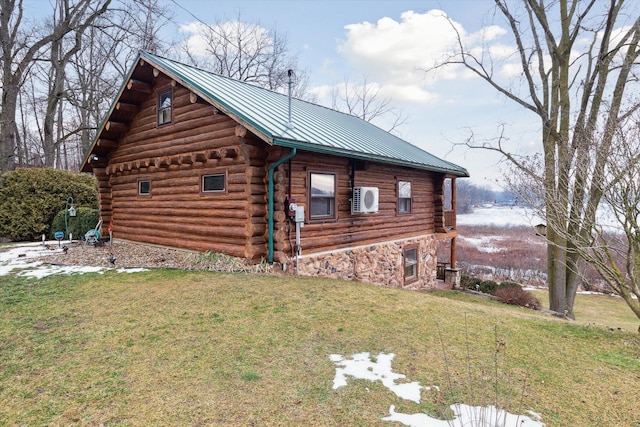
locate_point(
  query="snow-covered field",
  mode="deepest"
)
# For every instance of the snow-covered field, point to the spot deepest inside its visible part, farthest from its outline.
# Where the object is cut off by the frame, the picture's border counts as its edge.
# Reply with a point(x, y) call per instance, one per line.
point(514, 216)
point(508, 216)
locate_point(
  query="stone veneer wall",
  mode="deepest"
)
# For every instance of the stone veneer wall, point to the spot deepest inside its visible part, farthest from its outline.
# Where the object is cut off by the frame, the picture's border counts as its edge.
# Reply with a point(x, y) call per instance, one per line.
point(380, 263)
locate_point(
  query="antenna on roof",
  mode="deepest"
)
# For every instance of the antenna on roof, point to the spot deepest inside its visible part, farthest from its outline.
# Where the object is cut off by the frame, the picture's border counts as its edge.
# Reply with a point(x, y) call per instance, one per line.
point(290, 124)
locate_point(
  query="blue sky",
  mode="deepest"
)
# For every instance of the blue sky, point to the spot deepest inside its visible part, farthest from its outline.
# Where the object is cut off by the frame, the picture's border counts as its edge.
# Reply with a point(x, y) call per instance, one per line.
point(389, 42)
point(386, 43)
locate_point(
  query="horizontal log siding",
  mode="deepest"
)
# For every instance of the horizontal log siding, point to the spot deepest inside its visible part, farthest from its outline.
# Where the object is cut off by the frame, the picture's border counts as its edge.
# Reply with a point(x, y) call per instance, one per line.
point(176, 213)
point(354, 230)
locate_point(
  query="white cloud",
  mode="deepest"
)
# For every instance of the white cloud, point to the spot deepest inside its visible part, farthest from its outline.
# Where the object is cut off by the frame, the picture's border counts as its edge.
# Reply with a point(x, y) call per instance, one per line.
point(397, 54)
point(409, 93)
point(195, 42)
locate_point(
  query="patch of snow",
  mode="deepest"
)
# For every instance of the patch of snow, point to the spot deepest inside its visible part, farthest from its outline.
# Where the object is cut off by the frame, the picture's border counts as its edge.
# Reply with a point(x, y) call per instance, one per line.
point(378, 368)
point(361, 366)
point(507, 216)
point(20, 258)
point(483, 244)
point(520, 216)
point(485, 416)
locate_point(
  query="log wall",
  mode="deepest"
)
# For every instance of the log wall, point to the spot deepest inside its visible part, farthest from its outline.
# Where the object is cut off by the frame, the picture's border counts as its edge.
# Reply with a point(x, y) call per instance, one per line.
point(201, 140)
point(349, 230)
point(173, 157)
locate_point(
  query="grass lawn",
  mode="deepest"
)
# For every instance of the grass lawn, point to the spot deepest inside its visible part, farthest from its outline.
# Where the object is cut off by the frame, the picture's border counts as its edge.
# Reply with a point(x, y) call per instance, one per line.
point(170, 347)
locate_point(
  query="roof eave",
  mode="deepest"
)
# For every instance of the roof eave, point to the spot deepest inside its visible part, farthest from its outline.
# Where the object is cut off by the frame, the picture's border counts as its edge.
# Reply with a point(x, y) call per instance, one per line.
point(304, 145)
point(251, 125)
point(86, 162)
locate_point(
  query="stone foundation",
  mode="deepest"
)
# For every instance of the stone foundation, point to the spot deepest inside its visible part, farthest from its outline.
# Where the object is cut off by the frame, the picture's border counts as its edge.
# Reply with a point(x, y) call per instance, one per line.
point(380, 263)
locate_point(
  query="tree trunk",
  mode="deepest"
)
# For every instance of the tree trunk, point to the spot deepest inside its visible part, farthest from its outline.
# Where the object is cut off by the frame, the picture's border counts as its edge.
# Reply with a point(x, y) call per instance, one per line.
point(8, 126)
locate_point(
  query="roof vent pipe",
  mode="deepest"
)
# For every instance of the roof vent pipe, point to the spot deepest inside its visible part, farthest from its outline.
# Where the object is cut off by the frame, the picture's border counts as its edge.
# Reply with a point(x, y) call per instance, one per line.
point(290, 124)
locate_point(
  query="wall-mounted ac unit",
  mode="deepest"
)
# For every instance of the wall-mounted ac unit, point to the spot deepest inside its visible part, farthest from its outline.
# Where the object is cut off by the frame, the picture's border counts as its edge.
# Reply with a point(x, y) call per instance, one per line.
point(364, 200)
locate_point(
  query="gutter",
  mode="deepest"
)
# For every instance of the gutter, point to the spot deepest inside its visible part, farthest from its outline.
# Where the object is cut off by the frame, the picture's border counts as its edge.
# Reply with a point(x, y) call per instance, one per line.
point(334, 151)
point(272, 168)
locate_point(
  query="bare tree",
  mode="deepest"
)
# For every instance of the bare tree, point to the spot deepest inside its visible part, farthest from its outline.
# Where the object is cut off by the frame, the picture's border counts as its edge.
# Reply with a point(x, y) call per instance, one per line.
point(245, 51)
point(21, 47)
point(365, 101)
point(577, 61)
point(470, 195)
point(97, 68)
point(60, 53)
point(614, 250)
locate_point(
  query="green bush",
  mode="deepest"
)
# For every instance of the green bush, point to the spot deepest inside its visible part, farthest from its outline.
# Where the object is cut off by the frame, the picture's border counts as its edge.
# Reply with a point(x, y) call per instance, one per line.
point(488, 287)
point(509, 285)
point(469, 282)
point(85, 220)
point(475, 284)
point(30, 199)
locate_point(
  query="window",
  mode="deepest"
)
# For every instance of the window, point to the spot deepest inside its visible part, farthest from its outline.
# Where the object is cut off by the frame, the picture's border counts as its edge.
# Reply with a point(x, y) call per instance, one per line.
point(410, 256)
point(164, 107)
point(404, 196)
point(213, 183)
point(144, 187)
point(323, 195)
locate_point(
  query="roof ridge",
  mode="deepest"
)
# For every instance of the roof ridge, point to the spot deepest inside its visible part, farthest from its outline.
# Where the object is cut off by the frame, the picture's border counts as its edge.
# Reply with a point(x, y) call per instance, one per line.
point(204, 70)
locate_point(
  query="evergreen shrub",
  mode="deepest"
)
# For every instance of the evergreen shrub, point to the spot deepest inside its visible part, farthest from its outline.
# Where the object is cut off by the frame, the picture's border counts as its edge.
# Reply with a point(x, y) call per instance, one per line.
point(488, 287)
point(509, 285)
point(31, 198)
point(85, 220)
point(469, 282)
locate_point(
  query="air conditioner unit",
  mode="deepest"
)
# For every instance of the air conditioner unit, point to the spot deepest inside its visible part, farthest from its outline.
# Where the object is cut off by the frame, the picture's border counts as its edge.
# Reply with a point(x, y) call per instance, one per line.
point(364, 200)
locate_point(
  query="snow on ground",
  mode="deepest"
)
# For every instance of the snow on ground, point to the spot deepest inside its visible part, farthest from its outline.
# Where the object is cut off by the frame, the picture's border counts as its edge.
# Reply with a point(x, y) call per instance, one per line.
point(378, 368)
point(520, 216)
point(362, 367)
point(22, 258)
point(484, 244)
point(498, 215)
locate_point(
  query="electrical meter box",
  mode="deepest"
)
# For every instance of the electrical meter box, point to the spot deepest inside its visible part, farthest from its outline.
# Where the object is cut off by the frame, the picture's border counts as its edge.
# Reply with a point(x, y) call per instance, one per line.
point(300, 215)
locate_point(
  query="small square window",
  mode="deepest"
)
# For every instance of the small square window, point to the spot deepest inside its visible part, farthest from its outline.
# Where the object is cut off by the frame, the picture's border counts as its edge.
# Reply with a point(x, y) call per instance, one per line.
point(404, 196)
point(410, 256)
point(164, 107)
point(144, 187)
point(213, 183)
point(322, 195)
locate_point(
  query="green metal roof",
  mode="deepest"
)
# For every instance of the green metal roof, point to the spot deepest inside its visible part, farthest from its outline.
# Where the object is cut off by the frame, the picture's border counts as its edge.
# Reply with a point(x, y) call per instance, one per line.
point(316, 128)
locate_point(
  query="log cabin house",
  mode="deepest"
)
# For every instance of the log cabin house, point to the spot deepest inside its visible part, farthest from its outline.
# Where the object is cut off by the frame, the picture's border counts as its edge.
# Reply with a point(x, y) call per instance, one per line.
point(187, 158)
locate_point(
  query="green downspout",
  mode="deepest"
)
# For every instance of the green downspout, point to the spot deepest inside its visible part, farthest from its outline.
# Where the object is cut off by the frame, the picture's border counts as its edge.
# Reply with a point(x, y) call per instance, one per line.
point(271, 169)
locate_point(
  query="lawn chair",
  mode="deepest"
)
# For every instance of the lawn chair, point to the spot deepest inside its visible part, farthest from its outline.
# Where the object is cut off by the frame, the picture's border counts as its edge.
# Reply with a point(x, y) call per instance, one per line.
point(92, 237)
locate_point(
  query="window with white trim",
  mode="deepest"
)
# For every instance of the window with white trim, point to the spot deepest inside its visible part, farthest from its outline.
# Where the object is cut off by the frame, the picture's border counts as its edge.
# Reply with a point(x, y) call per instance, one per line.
point(214, 183)
point(144, 187)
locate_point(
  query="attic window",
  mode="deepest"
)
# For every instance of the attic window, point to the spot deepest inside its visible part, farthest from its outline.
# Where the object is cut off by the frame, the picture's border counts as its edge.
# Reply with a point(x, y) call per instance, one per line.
point(164, 107)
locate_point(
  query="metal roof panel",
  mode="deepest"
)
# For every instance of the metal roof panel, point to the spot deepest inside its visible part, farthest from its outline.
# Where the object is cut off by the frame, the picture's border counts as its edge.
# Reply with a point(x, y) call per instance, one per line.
point(316, 128)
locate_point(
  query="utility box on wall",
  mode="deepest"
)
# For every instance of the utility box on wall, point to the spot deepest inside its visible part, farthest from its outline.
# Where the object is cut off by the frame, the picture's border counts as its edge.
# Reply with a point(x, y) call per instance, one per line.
point(364, 200)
